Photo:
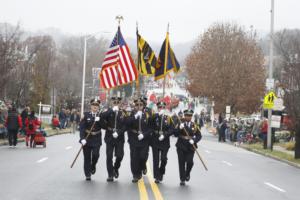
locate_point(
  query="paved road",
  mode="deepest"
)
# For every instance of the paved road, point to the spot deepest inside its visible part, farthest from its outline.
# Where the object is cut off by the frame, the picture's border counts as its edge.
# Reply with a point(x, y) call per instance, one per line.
point(234, 173)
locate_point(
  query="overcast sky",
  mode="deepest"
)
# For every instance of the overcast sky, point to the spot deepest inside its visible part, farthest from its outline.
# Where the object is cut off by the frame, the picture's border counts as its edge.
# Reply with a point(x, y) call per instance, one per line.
point(187, 18)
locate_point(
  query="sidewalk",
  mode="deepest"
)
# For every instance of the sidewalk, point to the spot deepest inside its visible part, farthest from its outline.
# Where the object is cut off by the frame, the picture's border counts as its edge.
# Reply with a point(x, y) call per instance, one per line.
point(50, 132)
point(279, 153)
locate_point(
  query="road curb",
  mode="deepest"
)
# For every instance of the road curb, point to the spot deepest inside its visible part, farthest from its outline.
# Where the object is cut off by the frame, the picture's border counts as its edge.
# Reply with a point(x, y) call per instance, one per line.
point(267, 155)
point(50, 133)
point(271, 156)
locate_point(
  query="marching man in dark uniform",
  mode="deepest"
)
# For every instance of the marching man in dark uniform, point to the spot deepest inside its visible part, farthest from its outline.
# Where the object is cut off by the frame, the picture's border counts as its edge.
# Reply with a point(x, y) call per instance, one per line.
point(160, 141)
point(176, 119)
point(188, 136)
point(90, 138)
point(139, 133)
point(114, 138)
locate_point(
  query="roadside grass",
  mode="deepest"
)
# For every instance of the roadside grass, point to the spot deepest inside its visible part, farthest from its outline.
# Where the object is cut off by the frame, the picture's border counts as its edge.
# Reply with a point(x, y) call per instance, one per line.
point(258, 147)
point(46, 125)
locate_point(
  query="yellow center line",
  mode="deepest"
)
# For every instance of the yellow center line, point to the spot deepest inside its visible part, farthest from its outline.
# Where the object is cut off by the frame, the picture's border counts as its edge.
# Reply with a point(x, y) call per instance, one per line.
point(154, 186)
point(142, 190)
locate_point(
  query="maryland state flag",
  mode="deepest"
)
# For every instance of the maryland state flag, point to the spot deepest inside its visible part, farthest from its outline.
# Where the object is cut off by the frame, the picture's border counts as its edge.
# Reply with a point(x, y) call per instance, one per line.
point(146, 57)
point(166, 60)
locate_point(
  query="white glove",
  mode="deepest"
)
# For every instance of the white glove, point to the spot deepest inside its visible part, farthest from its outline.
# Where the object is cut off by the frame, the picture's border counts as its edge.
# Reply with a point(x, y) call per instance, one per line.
point(191, 141)
point(161, 112)
point(138, 114)
point(161, 138)
point(140, 136)
point(115, 134)
point(83, 142)
point(181, 126)
point(115, 108)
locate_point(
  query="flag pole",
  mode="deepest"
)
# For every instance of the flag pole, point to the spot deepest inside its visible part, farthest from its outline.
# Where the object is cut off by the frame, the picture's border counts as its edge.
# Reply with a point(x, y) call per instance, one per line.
point(166, 61)
point(137, 84)
point(119, 18)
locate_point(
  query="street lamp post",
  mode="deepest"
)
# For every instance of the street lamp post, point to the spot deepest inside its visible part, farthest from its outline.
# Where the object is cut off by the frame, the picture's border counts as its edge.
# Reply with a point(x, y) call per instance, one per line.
point(86, 38)
point(83, 76)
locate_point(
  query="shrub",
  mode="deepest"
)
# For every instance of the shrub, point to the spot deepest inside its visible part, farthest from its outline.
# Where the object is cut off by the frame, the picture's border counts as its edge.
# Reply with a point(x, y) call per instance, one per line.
point(290, 146)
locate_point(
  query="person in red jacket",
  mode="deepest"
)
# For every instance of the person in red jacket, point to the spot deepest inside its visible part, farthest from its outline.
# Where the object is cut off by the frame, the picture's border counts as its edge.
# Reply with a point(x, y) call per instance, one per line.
point(32, 124)
point(13, 123)
point(264, 132)
point(55, 122)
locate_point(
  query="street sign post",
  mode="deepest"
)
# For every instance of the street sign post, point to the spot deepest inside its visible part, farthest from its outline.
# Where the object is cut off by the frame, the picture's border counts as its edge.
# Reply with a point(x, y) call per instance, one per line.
point(270, 82)
point(227, 109)
point(278, 104)
point(227, 112)
point(276, 120)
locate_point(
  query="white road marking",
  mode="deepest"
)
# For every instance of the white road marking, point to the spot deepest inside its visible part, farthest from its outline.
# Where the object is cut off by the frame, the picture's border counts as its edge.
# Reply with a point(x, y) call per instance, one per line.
point(69, 147)
point(275, 187)
point(227, 163)
point(207, 151)
point(42, 160)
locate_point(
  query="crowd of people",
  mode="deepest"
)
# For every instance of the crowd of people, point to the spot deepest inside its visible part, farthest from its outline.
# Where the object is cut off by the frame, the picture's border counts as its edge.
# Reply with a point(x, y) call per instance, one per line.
point(66, 119)
point(239, 130)
point(13, 125)
point(26, 124)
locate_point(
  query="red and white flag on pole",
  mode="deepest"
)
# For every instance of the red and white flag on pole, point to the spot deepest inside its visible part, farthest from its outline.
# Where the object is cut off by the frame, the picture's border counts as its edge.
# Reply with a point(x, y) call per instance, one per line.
point(118, 67)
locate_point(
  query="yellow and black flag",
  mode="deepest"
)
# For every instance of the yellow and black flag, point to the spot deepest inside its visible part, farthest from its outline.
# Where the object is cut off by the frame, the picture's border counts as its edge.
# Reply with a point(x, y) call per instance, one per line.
point(146, 57)
point(166, 60)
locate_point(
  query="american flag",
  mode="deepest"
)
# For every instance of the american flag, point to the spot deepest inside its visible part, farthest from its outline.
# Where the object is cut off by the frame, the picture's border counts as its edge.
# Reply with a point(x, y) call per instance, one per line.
point(118, 67)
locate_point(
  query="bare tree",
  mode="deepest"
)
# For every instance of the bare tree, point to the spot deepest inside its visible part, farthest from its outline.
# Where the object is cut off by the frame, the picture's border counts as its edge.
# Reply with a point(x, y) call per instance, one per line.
point(10, 54)
point(227, 65)
point(42, 65)
point(68, 68)
point(287, 43)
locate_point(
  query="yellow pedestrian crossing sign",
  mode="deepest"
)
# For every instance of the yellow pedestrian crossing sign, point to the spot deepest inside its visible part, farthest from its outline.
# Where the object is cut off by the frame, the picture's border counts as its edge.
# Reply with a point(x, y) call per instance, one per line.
point(269, 100)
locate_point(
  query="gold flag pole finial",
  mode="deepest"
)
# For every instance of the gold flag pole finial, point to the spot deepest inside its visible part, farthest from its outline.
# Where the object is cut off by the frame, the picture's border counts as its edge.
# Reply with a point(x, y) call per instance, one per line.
point(119, 18)
point(168, 27)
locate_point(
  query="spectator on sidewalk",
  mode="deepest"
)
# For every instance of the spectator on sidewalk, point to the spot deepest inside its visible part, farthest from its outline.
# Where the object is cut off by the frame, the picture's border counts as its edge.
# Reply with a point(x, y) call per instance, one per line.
point(75, 119)
point(222, 130)
point(264, 132)
point(233, 130)
point(241, 131)
point(13, 124)
point(255, 129)
point(227, 131)
point(55, 122)
point(24, 116)
point(32, 124)
point(62, 118)
point(2, 123)
point(68, 117)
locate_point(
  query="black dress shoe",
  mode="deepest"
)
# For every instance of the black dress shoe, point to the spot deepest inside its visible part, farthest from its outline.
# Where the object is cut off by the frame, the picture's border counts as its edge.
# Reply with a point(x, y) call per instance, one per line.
point(135, 180)
point(93, 170)
point(182, 183)
point(110, 179)
point(161, 177)
point(116, 173)
point(145, 171)
point(140, 177)
point(187, 178)
point(157, 181)
point(88, 178)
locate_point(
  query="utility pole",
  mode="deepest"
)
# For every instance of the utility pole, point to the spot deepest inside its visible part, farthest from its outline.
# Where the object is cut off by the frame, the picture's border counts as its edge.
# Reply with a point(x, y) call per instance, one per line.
point(269, 136)
point(83, 77)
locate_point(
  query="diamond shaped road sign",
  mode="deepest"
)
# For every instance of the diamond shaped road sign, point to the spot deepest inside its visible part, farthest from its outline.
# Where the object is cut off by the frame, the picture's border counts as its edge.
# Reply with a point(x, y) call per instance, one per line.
point(269, 100)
